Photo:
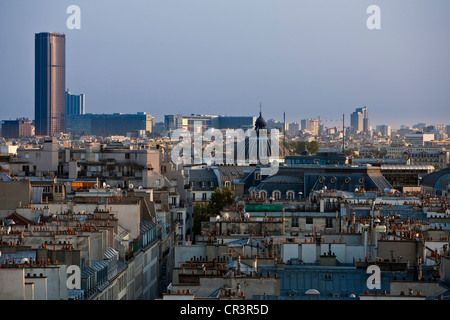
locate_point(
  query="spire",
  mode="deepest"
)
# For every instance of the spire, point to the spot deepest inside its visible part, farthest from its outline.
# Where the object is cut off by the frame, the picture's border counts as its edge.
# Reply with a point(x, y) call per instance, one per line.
point(260, 109)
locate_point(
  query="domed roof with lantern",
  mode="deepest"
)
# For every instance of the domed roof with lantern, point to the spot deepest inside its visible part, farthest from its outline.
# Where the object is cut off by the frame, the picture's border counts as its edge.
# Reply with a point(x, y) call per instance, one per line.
point(260, 123)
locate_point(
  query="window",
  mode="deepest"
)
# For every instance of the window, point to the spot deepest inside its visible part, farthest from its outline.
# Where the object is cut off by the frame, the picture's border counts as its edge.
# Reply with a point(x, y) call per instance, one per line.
point(294, 223)
point(191, 184)
point(193, 197)
point(329, 223)
point(127, 156)
point(328, 277)
point(290, 195)
point(227, 184)
point(204, 196)
point(257, 176)
point(203, 184)
point(163, 168)
point(38, 155)
point(263, 194)
point(158, 182)
point(276, 195)
point(309, 220)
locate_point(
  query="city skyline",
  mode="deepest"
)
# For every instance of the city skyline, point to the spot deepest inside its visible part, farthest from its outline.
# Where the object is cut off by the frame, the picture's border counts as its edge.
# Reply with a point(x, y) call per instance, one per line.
point(251, 53)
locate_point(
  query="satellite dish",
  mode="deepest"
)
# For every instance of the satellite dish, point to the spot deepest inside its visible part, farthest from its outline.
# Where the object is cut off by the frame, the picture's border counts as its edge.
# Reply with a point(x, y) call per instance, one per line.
point(218, 218)
point(225, 215)
point(312, 292)
point(247, 215)
point(131, 186)
point(104, 184)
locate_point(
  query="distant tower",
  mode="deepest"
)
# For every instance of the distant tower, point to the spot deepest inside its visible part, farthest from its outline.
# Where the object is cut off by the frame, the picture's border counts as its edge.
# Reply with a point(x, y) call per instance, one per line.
point(260, 123)
point(50, 83)
point(75, 104)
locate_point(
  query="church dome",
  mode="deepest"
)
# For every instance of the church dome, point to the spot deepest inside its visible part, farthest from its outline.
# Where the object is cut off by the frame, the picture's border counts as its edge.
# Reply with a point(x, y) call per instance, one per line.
point(260, 123)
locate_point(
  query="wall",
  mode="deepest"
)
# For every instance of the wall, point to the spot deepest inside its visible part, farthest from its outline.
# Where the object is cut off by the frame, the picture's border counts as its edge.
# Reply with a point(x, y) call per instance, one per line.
point(12, 284)
point(12, 193)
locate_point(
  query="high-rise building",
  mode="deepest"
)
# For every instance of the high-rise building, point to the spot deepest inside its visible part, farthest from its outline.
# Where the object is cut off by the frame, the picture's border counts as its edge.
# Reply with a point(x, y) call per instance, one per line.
point(359, 120)
point(75, 104)
point(19, 128)
point(385, 130)
point(310, 125)
point(50, 83)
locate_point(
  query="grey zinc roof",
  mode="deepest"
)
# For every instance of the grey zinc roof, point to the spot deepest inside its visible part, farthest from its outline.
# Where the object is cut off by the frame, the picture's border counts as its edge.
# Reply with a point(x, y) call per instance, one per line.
point(283, 179)
point(430, 179)
point(109, 254)
point(146, 225)
point(202, 175)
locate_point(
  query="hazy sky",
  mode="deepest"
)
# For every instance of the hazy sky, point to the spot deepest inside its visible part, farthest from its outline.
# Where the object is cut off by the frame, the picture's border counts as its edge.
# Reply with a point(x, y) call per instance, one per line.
point(307, 58)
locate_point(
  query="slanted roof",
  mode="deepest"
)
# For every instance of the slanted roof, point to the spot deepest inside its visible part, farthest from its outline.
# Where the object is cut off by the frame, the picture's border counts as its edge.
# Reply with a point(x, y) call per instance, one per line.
point(430, 179)
point(146, 225)
point(18, 219)
point(109, 254)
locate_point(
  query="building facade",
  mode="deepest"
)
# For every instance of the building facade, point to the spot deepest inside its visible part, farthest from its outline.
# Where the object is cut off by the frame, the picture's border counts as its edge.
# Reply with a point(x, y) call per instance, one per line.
point(20, 128)
point(75, 104)
point(50, 83)
point(105, 125)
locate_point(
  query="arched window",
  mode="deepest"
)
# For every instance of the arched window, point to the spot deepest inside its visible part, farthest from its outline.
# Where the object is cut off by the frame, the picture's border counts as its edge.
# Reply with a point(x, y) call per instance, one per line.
point(228, 184)
point(276, 195)
point(263, 194)
point(290, 195)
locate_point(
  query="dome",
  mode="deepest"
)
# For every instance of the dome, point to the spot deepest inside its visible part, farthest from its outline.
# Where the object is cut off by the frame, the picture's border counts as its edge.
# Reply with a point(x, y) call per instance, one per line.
point(260, 123)
point(305, 152)
point(312, 292)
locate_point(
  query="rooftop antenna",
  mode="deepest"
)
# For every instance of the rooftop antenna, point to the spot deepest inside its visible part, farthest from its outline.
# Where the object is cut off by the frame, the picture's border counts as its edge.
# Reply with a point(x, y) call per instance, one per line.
point(284, 130)
point(343, 133)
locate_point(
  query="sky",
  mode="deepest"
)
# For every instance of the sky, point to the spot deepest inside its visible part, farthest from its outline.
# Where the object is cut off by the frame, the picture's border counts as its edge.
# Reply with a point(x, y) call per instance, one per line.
point(307, 58)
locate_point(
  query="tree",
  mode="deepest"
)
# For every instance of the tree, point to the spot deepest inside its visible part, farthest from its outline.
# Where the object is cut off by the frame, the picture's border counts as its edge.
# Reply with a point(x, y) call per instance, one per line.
point(200, 214)
point(202, 211)
point(299, 146)
point(351, 153)
point(220, 199)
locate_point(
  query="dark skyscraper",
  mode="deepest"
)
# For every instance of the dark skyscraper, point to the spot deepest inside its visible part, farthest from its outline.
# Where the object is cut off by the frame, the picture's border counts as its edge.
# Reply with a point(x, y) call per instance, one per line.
point(50, 83)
